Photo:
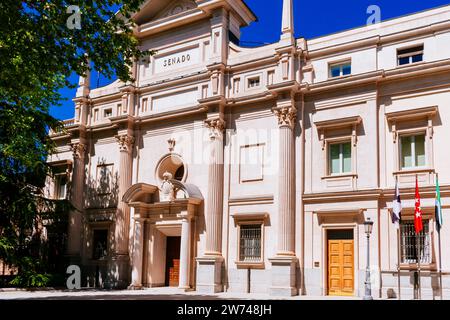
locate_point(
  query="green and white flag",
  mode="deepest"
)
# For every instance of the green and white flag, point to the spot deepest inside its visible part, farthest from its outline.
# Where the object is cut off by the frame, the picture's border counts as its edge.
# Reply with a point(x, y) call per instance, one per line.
point(438, 207)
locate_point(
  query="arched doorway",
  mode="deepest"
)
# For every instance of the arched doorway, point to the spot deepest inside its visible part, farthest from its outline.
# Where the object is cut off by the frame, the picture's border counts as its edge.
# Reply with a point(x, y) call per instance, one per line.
point(158, 260)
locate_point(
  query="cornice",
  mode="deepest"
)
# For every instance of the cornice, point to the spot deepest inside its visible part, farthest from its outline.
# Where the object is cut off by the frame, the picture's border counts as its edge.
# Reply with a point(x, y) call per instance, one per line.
point(373, 194)
point(254, 98)
point(212, 101)
point(291, 86)
point(378, 40)
point(182, 80)
point(386, 194)
point(418, 69)
point(354, 80)
point(253, 64)
point(175, 114)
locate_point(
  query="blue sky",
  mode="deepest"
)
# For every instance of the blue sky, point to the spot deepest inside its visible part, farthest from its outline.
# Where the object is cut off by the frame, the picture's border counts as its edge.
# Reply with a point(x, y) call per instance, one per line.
point(312, 19)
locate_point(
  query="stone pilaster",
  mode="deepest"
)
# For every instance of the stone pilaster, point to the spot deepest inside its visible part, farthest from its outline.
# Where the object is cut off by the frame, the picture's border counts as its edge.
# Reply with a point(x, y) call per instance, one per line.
point(137, 259)
point(185, 253)
point(285, 261)
point(76, 198)
point(209, 278)
point(122, 222)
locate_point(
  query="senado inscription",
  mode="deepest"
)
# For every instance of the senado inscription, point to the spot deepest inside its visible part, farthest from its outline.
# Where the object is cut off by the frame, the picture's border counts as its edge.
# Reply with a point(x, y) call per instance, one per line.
point(177, 60)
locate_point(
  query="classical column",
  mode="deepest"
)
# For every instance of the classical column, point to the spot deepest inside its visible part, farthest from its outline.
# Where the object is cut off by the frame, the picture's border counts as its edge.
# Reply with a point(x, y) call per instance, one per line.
point(209, 276)
point(185, 253)
point(285, 262)
point(125, 179)
point(137, 261)
point(286, 182)
point(76, 197)
point(215, 192)
point(122, 221)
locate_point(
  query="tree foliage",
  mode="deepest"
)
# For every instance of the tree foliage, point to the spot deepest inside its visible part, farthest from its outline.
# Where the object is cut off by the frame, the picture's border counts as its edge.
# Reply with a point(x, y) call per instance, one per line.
point(38, 53)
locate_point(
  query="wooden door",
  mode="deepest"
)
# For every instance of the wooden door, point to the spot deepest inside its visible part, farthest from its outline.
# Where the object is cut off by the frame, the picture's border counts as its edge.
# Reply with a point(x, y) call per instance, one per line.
point(173, 261)
point(340, 265)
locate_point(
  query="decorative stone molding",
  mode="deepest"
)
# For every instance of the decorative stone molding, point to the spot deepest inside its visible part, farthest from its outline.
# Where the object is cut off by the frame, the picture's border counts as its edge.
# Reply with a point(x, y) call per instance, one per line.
point(427, 113)
point(126, 142)
point(216, 127)
point(171, 143)
point(286, 116)
point(167, 190)
point(78, 150)
point(350, 122)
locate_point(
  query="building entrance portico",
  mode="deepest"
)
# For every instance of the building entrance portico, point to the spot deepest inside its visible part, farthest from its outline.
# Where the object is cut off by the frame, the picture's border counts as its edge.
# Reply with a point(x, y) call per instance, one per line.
point(163, 246)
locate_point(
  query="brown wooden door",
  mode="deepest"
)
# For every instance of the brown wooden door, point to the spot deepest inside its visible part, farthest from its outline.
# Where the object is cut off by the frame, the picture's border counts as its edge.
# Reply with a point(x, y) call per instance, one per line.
point(173, 261)
point(340, 266)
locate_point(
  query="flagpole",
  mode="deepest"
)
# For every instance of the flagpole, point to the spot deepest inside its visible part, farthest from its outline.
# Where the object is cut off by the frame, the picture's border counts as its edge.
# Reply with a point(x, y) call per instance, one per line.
point(440, 264)
point(438, 225)
point(418, 265)
point(418, 243)
point(398, 264)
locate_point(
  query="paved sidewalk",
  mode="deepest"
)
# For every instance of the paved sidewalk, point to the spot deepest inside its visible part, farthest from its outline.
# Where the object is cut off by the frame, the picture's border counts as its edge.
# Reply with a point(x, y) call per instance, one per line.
point(146, 294)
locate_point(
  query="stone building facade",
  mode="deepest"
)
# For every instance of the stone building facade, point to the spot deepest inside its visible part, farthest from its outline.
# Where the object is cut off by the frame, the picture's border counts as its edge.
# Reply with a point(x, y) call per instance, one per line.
point(226, 168)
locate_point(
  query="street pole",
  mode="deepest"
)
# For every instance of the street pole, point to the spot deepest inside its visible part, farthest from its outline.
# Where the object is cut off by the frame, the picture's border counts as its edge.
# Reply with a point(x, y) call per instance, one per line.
point(368, 294)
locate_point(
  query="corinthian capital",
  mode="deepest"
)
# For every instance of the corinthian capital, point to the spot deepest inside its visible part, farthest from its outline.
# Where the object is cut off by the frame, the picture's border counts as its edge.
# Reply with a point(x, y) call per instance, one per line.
point(125, 142)
point(286, 116)
point(216, 127)
point(78, 150)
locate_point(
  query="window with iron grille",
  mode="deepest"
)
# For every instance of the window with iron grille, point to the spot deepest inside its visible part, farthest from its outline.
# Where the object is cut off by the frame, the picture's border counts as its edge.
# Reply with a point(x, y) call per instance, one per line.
point(409, 243)
point(250, 243)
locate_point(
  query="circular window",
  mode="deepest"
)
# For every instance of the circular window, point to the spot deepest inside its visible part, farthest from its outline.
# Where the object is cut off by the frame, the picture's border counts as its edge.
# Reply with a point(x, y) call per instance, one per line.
point(173, 164)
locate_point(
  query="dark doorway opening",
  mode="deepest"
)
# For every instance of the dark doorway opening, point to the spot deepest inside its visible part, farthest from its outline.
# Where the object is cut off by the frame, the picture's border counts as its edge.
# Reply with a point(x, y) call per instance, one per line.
point(173, 261)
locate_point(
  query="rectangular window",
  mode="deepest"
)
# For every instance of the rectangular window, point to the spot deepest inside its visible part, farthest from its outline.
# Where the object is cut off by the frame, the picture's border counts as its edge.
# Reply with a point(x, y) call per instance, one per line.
point(270, 77)
point(236, 84)
point(410, 55)
point(144, 105)
point(95, 115)
point(119, 108)
point(409, 243)
point(340, 158)
point(105, 178)
point(100, 244)
point(254, 82)
point(250, 243)
point(413, 151)
point(108, 113)
point(61, 187)
point(340, 69)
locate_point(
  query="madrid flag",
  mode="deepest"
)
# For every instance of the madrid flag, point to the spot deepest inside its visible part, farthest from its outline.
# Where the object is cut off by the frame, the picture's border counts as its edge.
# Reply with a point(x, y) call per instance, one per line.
point(418, 211)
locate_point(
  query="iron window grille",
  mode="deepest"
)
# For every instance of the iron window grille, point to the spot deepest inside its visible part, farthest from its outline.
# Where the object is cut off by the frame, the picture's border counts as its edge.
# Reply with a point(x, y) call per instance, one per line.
point(250, 243)
point(409, 242)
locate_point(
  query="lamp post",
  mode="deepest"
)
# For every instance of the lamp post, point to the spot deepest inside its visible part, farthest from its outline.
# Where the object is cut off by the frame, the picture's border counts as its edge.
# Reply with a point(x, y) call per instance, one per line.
point(368, 224)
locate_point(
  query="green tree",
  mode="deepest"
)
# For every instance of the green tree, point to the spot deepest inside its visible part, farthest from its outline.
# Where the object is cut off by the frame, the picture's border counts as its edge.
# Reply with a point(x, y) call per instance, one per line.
point(40, 47)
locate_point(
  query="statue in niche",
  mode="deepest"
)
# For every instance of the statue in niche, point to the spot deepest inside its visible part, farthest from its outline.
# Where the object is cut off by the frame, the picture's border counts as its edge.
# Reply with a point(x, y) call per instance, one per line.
point(167, 188)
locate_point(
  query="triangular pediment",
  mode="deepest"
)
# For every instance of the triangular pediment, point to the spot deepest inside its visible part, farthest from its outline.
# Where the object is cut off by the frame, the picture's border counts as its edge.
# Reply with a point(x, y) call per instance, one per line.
point(176, 7)
point(160, 15)
point(154, 10)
